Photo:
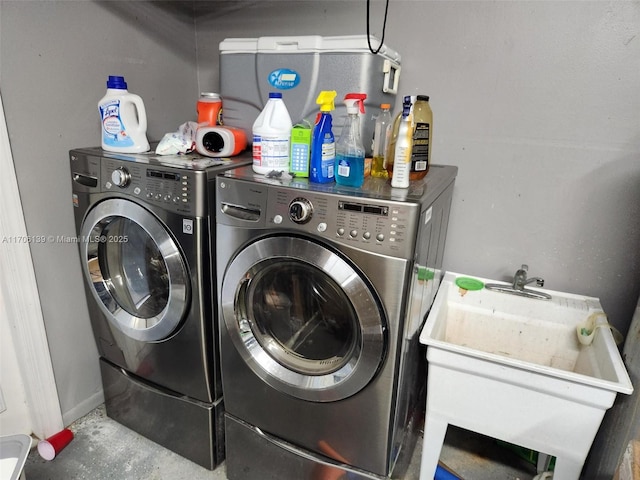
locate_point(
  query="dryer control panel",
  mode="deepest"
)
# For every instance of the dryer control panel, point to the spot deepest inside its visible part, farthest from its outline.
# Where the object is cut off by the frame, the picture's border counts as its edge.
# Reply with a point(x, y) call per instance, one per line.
point(388, 228)
point(375, 225)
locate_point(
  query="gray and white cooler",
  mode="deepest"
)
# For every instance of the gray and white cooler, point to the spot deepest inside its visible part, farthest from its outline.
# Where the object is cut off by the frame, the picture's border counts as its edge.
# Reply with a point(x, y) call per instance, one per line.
point(300, 67)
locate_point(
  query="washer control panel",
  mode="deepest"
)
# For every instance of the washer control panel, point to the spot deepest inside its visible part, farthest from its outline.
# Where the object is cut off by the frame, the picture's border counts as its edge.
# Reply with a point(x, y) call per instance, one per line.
point(169, 188)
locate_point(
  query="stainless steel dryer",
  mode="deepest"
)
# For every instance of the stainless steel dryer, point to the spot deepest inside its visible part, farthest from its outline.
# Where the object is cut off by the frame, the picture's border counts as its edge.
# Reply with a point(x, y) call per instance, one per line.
point(322, 293)
point(144, 232)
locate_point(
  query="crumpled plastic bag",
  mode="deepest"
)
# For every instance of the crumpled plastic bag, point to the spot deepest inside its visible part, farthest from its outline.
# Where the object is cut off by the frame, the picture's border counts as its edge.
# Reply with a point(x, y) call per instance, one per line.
point(181, 141)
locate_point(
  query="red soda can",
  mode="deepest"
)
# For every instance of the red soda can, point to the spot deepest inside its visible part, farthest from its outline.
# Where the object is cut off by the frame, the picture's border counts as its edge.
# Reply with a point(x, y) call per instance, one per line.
point(209, 109)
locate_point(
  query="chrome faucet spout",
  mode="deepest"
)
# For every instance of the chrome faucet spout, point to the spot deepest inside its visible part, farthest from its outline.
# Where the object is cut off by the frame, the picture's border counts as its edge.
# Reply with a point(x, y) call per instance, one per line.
point(520, 279)
point(519, 283)
point(539, 281)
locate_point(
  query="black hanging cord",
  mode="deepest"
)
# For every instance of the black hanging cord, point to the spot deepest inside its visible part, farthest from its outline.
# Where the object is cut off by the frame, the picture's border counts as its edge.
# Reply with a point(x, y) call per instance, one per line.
point(384, 26)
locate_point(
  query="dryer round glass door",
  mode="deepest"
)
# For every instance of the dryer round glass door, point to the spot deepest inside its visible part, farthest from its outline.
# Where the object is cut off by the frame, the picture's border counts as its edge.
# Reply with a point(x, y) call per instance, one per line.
point(303, 318)
point(135, 269)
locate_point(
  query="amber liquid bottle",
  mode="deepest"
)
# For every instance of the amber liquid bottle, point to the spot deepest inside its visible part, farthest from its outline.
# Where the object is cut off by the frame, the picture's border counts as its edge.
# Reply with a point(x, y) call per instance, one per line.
point(422, 134)
point(382, 132)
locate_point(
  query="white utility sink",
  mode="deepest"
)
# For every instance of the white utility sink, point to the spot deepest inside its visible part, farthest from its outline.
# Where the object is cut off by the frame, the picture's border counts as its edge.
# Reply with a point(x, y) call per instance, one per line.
point(13, 454)
point(512, 368)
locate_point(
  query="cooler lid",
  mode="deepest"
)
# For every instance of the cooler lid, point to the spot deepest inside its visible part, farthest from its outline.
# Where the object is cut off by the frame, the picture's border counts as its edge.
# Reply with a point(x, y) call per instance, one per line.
point(307, 44)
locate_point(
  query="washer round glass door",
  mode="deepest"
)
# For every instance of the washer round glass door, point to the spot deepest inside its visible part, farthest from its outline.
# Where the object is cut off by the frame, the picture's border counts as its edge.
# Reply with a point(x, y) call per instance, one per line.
point(136, 272)
point(303, 319)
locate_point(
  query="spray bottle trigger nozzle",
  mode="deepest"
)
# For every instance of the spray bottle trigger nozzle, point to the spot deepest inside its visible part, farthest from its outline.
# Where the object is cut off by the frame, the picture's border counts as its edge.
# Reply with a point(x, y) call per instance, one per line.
point(325, 100)
point(356, 99)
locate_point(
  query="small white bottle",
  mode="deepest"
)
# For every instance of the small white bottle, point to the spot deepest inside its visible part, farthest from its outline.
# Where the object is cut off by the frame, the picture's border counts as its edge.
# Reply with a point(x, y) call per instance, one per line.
point(272, 137)
point(123, 119)
point(402, 161)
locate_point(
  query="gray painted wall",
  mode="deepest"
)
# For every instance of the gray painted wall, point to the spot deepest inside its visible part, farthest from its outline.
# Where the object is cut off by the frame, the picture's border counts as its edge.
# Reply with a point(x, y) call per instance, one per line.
point(55, 57)
point(537, 103)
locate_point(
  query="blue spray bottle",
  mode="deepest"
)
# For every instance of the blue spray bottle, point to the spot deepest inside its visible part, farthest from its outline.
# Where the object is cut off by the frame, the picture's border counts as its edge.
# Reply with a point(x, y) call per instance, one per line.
point(323, 145)
point(349, 149)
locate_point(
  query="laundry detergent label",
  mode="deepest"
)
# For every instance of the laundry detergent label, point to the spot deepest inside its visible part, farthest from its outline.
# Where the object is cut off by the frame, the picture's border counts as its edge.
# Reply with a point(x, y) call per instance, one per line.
point(113, 132)
point(420, 150)
point(284, 79)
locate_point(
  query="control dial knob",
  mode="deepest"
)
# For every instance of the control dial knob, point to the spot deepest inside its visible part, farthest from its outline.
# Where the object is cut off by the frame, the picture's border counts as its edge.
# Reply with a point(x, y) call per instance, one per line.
point(121, 177)
point(300, 210)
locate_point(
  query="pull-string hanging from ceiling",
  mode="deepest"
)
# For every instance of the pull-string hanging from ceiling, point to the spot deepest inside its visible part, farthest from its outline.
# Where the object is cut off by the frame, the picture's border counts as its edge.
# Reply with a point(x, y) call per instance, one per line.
point(384, 26)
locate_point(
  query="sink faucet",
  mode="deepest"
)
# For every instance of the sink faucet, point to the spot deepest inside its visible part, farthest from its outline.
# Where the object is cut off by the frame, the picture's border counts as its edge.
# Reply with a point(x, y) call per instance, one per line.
point(520, 279)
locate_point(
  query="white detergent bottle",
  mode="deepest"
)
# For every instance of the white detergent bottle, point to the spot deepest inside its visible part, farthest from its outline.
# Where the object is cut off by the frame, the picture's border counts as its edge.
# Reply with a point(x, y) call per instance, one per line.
point(402, 162)
point(123, 118)
point(272, 137)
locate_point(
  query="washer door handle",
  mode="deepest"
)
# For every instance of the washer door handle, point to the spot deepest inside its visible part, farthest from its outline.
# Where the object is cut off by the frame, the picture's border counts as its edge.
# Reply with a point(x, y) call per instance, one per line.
point(244, 326)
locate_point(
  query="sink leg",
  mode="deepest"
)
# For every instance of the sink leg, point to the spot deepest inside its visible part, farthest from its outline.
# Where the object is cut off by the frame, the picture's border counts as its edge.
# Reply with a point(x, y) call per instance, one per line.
point(543, 462)
point(567, 469)
point(434, 432)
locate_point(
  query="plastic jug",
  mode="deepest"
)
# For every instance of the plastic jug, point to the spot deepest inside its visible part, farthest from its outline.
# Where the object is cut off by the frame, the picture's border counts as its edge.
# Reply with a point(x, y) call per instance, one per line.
point(272, 137)
point(123, 118)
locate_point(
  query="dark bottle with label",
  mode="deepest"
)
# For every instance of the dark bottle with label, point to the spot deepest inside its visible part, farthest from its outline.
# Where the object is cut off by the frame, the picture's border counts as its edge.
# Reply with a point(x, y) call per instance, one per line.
point(421, 144)
point(422, 134)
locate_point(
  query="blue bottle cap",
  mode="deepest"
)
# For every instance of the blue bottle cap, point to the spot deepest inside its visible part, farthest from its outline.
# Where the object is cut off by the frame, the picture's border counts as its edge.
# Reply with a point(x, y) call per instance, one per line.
point(116, 82)
point(275, 95)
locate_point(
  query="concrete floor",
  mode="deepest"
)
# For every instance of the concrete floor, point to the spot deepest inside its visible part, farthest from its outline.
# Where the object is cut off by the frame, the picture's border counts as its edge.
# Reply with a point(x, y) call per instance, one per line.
point(105, 450)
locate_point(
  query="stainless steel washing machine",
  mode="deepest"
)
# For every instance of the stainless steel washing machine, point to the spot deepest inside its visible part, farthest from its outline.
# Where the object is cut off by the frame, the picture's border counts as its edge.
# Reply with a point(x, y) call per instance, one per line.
point(144, 230)
point(322, 292)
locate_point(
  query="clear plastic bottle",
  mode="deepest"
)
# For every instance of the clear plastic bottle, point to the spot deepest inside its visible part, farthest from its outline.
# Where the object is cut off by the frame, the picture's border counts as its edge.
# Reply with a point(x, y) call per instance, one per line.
point(403, 151)
point(381, 134)
point(349, 166)
point(272, 137)
point(123, 118)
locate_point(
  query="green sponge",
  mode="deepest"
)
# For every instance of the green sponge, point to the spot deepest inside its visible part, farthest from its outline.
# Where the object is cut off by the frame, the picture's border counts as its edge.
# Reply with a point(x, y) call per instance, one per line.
point(425, 273)
point(469, 283)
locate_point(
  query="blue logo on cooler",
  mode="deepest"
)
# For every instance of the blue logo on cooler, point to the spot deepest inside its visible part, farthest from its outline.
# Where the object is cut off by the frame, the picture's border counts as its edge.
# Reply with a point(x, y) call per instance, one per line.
point(284, 79)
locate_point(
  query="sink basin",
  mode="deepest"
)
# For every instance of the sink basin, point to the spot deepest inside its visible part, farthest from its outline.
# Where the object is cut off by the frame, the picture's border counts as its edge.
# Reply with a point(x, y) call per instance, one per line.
point(13, 454)
point(528, 333)
point(512, 367)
